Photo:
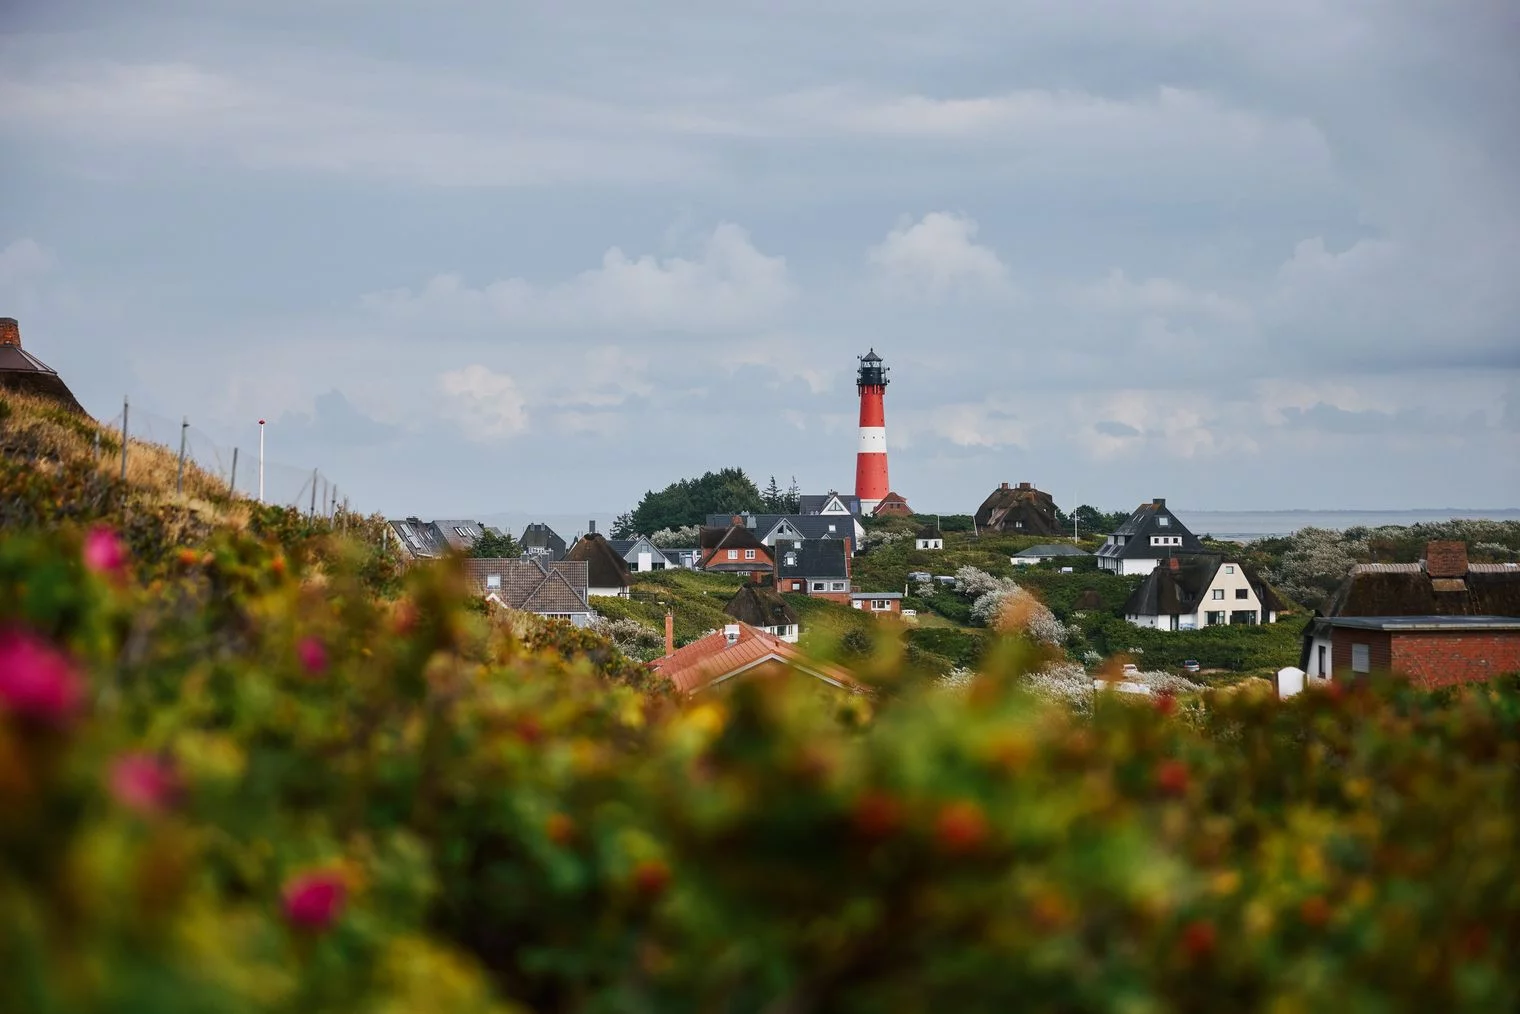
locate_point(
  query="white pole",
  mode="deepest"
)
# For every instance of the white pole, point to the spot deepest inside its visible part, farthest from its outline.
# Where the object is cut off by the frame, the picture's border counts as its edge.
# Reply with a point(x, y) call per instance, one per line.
point(261, 461)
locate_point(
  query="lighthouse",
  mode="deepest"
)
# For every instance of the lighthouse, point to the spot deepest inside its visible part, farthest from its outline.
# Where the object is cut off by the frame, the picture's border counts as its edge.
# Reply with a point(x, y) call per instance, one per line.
point(871, 459)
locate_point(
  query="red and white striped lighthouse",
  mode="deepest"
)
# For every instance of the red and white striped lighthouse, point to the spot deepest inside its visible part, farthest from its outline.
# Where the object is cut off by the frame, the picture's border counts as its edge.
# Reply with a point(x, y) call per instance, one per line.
point(871, 459)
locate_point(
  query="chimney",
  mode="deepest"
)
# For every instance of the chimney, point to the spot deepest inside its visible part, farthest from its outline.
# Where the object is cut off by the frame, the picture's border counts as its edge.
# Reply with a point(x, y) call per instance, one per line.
point(1446, 559)
point(731, 633)
point(670, 633)
point(1025, 485)
point(591, 527)
point(1159, 502)
point(1005, 485)
point(736, 521)
point(10, 332)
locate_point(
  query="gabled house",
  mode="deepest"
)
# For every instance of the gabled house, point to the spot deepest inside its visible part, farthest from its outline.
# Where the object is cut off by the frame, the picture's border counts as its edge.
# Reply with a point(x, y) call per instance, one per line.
point(1148, 536)
point(1441, 620)
point(816, 567)
point(832, 502)
point(607, 574)
point(640, 554)
point(929, 537)
point(773, 528)
point(762, 607)
point(1046, 553)
point(24, 372)
point(556, 590)
point(1018, 510)
point(1201, 590)
point(683, 559)
point(740, 651)
point(891, 505)
point(877, 603)
point(734, 550)
point(539, 539)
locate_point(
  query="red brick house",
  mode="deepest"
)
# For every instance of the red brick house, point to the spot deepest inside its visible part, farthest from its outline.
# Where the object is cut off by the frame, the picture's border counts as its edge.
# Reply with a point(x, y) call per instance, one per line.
point(1442, 620)
point(734, 550)
point(816, 567)
point(892, 505)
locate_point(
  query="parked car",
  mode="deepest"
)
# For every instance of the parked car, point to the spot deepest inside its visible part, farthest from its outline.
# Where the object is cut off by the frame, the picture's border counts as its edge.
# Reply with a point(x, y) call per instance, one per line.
point(1190, 665)
point(1130, 669)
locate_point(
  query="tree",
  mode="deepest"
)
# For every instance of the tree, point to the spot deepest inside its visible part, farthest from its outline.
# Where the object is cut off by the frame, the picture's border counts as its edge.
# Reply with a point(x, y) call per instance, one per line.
point(622, 526)
point(690, 501)
point(494, 545)
point(773, 500)
point(793, 502)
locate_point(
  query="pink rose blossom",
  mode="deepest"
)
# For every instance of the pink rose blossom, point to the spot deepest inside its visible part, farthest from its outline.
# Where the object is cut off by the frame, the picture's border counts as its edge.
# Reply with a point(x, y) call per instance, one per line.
point(312, 654)
point(144, 783)
point(37, 681)
point(314, 900)
point(104, 552)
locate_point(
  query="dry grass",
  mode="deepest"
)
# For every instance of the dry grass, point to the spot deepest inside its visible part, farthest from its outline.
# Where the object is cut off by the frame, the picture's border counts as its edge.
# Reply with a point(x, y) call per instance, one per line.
point(55, 434)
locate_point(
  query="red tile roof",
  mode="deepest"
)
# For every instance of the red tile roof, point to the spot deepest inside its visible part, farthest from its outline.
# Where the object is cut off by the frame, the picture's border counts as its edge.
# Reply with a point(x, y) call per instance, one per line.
point(712, 659)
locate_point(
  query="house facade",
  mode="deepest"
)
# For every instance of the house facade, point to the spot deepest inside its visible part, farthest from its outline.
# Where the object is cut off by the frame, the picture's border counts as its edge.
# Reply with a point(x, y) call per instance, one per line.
point(734, 550)
point(432, 540)
point(877, 603)
point(892, 505)
point(639, 554)
point(1201, 590)
point(1407, 600)
point(551, 589)
point(773, 528)
point(1151, 534)
point(539, 539)
point(1018, 510)
point(816, 567)
point(1046, 553)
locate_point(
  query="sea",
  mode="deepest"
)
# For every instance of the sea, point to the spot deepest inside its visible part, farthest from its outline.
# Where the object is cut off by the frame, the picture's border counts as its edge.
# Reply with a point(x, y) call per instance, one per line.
point(1244, 526)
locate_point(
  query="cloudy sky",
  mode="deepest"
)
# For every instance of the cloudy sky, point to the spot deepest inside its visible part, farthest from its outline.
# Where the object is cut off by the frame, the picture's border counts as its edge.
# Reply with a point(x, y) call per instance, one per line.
point(476, 257)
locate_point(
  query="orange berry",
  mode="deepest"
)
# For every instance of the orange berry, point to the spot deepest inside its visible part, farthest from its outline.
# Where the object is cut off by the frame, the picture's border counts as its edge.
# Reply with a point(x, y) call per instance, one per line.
point(961, 827)
point(651, 877)
point(188, 557)
point(560, 829)
point(529, 731)
point(277, 566)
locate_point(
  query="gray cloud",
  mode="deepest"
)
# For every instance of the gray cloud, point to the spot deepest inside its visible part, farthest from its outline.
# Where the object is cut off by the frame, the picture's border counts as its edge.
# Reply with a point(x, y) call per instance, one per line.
point(1179, 243)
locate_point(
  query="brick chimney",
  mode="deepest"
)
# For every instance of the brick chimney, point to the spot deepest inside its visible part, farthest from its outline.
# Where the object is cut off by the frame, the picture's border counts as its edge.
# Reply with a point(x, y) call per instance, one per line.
point(591, 529)
point(1159, 502)
point(1025, 485)
point(10, 332)
point(670, 633)
point(1005, 485)
point(1446, 559)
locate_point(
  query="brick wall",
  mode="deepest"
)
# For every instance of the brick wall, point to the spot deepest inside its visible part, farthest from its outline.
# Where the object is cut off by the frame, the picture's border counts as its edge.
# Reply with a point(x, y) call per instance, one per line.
point(1440, 658)
point(1378, 648)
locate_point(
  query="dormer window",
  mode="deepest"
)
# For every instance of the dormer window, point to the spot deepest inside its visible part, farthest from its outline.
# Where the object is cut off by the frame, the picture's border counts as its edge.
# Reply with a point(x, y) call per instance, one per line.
point(493, 580)
point(1164, 521)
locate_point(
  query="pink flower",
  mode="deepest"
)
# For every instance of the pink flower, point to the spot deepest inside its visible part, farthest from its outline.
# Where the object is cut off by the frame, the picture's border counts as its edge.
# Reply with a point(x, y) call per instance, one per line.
point(144, 783)
point(313, 900)
point(37, 681)
point(104, 552)
point(312, 654)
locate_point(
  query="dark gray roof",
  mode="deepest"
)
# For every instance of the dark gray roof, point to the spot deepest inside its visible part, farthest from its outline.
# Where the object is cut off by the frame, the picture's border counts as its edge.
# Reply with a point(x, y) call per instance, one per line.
point(1132, 540)
point(1167, 591)
point(812, 503)
point(807, 526)
point(1052, 550)
point(812, 558)
point(1417, 623)
point(24, 372)
point(541, 536)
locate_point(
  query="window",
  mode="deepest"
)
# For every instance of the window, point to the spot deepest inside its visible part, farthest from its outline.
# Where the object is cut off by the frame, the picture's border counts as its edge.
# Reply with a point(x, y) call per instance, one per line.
point(1217, 593)
point(881, 605)
point(1242, 593)
point(1018, 524)
point(1324, 670)
point(838, 586)
point(749, 554)
point(1213, 619)
point(1164, 521)
point(1229, 568)
point(733, 554)
point(493, 580)
point(796, 586)
point(818, 586)
point(831, 528)
point(1361, 658)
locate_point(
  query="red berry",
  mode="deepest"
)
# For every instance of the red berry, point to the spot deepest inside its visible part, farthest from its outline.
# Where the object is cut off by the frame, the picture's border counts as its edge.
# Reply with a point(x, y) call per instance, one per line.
point(1199, 938)
point(1172, 777)
point(529, 731)
point(560, 829)
point(1166, 704)
point(961, 827)
point(876, 815)
point(1314, 911)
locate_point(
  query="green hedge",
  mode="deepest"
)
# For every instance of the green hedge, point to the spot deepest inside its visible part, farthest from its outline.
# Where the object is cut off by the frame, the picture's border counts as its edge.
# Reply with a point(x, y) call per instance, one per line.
point(1238, 648)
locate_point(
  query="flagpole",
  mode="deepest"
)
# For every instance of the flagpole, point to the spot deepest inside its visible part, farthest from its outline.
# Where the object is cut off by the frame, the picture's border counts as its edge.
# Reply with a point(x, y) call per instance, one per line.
point(261, 461)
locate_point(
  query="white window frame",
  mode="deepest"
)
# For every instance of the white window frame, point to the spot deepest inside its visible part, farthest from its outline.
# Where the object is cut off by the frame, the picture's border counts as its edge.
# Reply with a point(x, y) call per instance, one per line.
point(881, 605)
point(493, 580)
point(1217, 595)
point(1164, 521)
point(1229, 569)
point(818, 586)
point(838, 586)
point(749, 554)
point(733, 554)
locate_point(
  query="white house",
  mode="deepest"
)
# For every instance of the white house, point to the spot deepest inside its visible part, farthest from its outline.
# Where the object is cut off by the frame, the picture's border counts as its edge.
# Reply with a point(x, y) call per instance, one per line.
point(1201, 590)
point(1151, 534)
point(1043, 553)
point(929, 537)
